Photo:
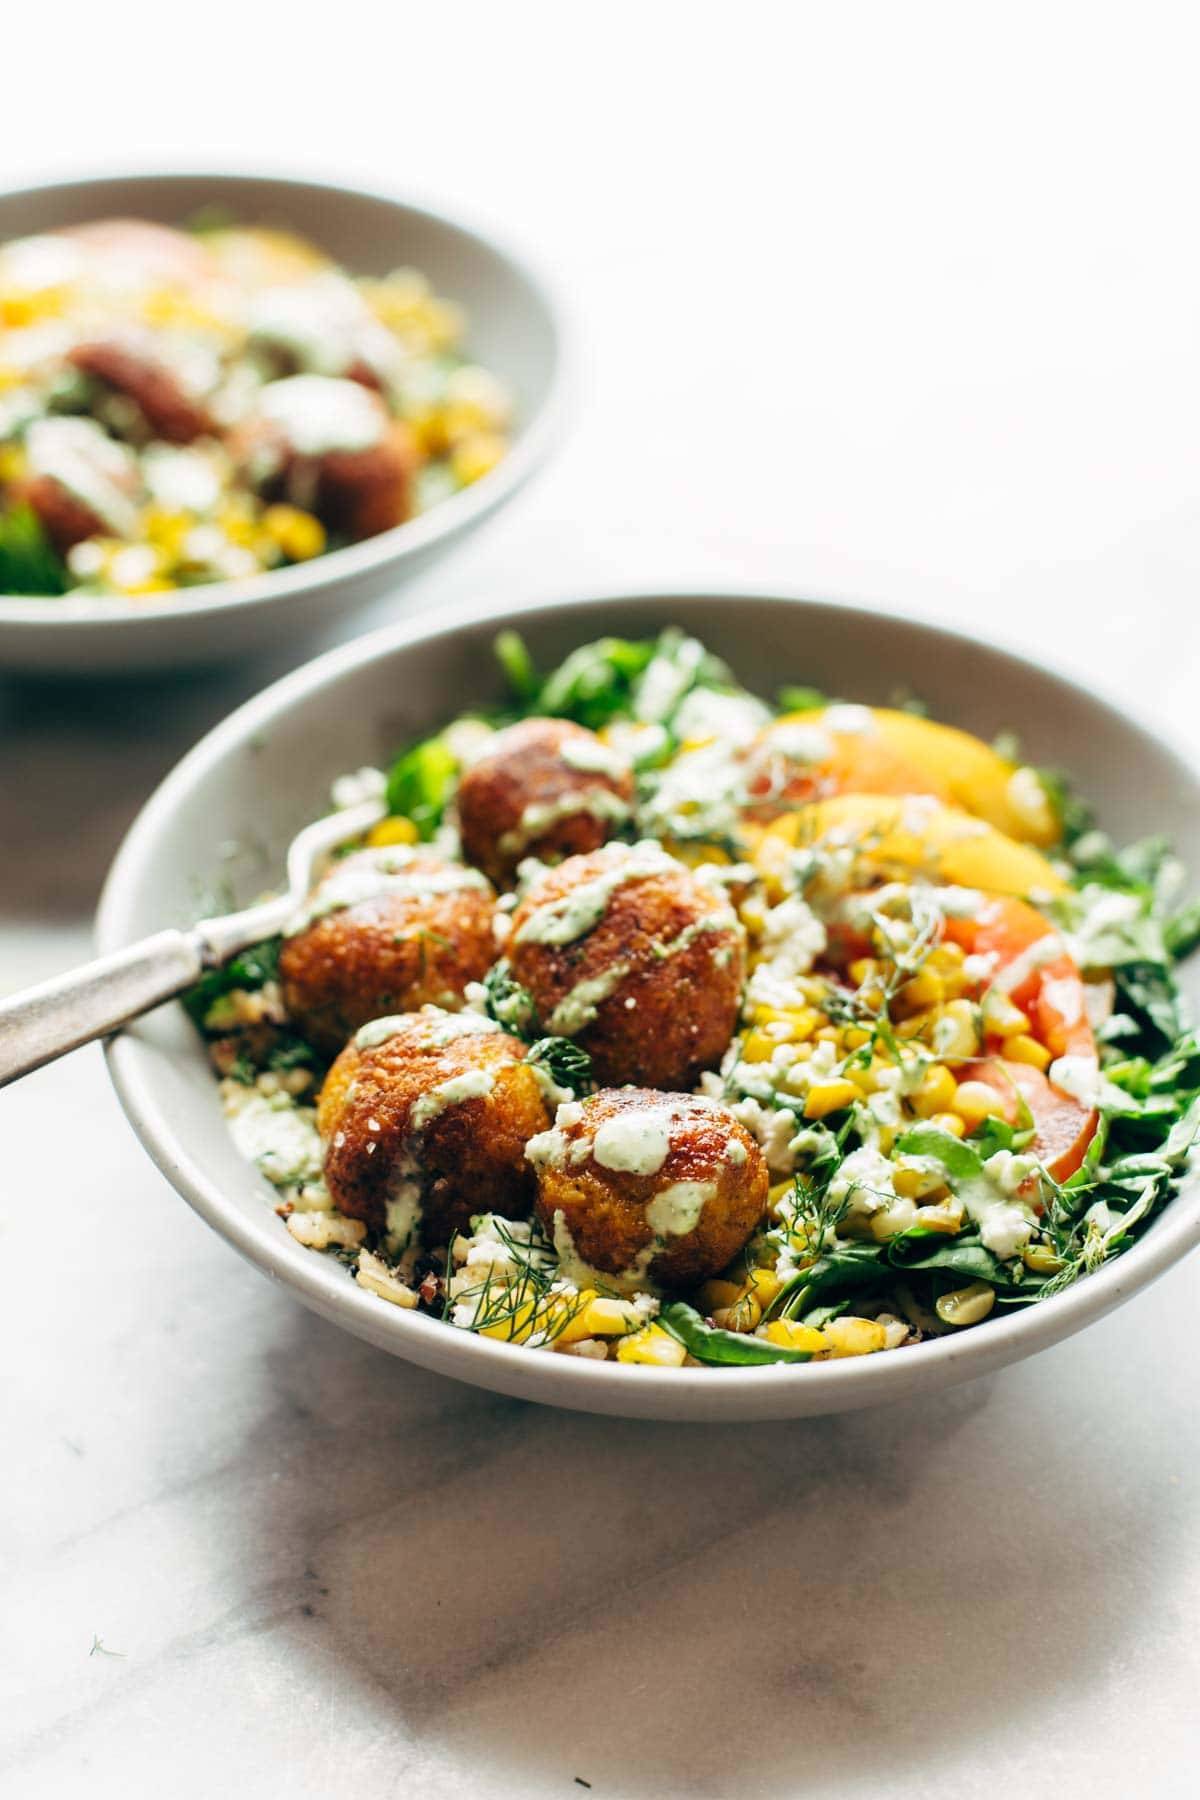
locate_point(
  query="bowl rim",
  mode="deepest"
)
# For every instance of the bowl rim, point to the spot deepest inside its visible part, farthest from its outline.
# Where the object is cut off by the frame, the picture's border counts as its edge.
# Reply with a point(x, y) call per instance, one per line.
point(530, 447)
point(578, 1382)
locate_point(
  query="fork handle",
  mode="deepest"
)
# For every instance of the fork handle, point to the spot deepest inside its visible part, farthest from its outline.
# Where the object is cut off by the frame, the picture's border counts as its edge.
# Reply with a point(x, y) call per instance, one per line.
point(46, 1021)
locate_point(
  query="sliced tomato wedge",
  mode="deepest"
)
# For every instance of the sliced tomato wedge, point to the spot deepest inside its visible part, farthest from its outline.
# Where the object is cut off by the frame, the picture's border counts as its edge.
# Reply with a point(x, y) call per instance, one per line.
point(1063, 1125)
point(1046, 985)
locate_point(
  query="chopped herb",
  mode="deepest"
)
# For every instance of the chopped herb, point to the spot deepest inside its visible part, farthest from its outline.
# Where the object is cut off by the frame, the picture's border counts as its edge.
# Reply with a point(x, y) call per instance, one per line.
point(249, 970)
point(567, 1062)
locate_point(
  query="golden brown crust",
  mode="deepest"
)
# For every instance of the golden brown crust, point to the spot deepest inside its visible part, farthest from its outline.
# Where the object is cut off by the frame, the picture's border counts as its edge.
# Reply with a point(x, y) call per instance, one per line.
point(357, 493)
point(524, 768)
point(169, 411)
point(469, 1157)
point(605, 1210)
point(673, 1012)
point(64, 518)
point(390, 953)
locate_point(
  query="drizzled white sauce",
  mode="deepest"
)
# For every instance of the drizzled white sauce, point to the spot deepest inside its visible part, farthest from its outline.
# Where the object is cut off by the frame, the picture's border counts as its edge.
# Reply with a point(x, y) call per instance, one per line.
point(317, 414)
point(388, 872)
point(540, 815)
point(473, 1085)
point(442, 1031)
point(592, 757)
point(1043, 950)
point(676, 1211)
point(573, 915)
point(580, 1006)
point(80, 456)
point(637, 1142)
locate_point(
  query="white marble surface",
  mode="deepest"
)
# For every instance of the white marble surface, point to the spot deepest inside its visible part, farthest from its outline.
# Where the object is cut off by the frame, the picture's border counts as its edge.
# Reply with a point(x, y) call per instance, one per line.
point(898, 303)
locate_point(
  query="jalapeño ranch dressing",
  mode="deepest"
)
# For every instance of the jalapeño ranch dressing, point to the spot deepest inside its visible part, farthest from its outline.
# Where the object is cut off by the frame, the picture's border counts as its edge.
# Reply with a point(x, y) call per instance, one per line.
point(637, 1142)
point(353, 882)
point(573, 915)
point(318, 414)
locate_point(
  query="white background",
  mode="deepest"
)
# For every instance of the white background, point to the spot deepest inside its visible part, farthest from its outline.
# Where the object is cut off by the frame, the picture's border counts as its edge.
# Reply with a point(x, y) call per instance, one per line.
point(897, 303)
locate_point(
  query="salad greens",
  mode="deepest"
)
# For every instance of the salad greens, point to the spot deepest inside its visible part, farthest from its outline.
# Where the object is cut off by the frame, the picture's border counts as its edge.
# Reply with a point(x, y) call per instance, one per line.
point(29, 563)
point(1122, 918)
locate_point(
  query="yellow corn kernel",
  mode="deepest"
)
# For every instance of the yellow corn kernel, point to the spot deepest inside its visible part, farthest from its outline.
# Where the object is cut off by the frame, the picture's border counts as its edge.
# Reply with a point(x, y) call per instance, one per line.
point(395, 829)
point(759, 1045)
point(166, 530)
point(716, 1294)
point(297, 533)
point(956, 1034)
point(236, 522)
point(828, 1096)
point(947, 956)
point(854, 1037)
point(828, 1034)
point(1041, 1259)
point(743, 1315)
point(935, 1092)
point(926, 988)
point(916, 1025)
point(605, 1316)
point(853, 1337)
point(947, 1217)
point(1001, 1016)
point(863, 968)
point(564, 1318)
point(652, 1345)
point(966, 1305)
point(476, 456)
point(514, 1327)
point(865, 1076)
point(764, 1285)
point(891, 1220)
point(1025, 1049)
point(912, 1184)
point(975, 1101)
point(950, 1122)
point(792, 1336)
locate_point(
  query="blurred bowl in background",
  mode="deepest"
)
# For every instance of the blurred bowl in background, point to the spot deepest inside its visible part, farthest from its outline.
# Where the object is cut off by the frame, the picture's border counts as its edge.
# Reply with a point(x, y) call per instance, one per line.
point(513, 330)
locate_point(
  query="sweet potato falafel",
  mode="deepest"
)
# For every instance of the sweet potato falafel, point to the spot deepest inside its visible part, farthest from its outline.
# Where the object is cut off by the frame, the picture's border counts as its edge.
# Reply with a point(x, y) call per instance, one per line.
point(640, 1189)
point(386, 931)
point(637, 958)
point(543, 787)
point(425, 1118)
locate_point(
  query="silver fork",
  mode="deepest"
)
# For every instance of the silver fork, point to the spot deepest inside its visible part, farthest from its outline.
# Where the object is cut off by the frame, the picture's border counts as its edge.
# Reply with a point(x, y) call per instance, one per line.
point(46, 1021)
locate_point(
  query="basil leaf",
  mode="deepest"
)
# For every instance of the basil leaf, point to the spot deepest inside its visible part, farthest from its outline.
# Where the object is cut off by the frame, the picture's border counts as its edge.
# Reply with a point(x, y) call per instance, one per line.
point(917, 1249)
point(517, 665)
point(722, 1349)
point(29, 563)
point(960, 1161)
point(420, 784)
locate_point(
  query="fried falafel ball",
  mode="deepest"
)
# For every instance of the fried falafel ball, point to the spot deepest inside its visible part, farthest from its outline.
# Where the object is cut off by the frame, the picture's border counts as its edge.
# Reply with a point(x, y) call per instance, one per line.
point(386, 931)
point(326, 444)
point(636, 958)
point(165, 399)
point(545, 788)
point(79, 481)
point(640, 1190)
point(426, 1117)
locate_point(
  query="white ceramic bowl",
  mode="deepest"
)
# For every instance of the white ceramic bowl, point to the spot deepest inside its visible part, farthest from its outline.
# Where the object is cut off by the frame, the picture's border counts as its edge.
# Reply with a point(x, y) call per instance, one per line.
point(264, 772)
point(513, 329)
